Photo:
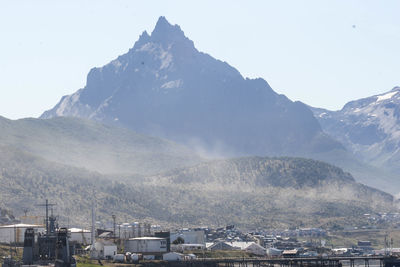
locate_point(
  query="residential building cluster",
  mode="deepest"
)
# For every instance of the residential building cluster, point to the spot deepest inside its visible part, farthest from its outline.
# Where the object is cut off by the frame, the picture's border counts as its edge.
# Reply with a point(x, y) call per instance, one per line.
point(130, 242)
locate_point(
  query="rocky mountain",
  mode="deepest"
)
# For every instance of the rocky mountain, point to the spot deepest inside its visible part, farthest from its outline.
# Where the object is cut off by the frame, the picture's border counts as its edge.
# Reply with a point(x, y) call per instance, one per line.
point(369, 127)
point(94, 146)
point(249, 192)
point(165, 87)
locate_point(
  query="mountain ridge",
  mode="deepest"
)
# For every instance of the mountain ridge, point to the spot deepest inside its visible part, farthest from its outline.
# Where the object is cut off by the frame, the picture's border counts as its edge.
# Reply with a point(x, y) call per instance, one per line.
point(97, 147)
point(165, 87)
point(369, 127)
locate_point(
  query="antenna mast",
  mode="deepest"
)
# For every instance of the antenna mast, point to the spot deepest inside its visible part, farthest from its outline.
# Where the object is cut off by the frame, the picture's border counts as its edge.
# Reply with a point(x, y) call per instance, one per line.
point(47, 205)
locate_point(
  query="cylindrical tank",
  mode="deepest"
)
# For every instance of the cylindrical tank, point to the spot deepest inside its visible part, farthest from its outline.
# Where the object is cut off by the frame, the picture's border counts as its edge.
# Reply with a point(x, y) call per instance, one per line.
point(134, 257)
point(119, 258)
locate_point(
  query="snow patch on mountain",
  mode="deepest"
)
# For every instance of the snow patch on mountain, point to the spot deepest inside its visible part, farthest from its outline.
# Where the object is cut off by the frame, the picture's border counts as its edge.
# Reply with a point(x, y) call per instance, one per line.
point(369, 127)
point(172, 84)
point(385, 96)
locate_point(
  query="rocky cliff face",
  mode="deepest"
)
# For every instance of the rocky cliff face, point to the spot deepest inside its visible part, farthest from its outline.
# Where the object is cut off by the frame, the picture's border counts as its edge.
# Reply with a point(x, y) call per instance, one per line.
point(370, 127)
point(165, 87)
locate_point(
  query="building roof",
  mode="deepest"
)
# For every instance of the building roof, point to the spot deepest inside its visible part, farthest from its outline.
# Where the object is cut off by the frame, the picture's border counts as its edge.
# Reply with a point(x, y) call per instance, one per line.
point(240, 245)
point(192, 245)
point(147, 238)
point(78, 230)
point(290, 252)
point(221, 244)
point(22, 225)
point(209, 244)
point(105, 234)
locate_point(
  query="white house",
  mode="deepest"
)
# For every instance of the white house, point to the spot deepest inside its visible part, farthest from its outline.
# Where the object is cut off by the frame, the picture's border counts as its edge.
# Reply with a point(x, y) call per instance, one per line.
point(105, 249)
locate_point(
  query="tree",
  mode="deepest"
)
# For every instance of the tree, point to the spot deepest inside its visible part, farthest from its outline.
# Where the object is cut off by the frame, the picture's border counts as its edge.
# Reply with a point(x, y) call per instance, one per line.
point(178, 241)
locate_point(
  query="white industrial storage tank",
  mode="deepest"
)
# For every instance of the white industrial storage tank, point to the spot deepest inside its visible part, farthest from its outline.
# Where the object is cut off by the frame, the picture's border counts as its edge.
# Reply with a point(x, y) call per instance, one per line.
point(146, 245)
point(16, 232)
point(119, 258)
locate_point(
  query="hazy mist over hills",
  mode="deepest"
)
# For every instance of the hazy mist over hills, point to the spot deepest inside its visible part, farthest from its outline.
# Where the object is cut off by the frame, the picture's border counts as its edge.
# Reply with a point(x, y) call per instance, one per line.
point(94, 146)
point(249, 192)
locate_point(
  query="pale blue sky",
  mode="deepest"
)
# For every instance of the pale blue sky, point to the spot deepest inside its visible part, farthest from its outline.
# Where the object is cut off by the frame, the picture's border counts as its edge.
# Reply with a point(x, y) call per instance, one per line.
point(307, 50)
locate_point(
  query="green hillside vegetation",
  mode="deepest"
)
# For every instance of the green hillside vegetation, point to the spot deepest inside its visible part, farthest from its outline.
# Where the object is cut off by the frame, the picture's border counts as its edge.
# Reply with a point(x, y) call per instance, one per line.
point(94, 146)
point(248, 192)
point(275, 192)
point(258, 171)
point(27, 180)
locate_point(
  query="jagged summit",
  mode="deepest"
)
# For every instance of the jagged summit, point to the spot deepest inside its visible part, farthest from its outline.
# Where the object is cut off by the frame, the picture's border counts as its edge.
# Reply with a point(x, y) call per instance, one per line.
point(166, 33)
point(165, 87)
point(163, 27)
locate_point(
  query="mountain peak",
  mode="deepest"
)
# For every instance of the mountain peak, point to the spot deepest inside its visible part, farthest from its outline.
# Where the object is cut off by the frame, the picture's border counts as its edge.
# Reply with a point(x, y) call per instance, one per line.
point(164, 31)
point(163, 22)
point(181, 89)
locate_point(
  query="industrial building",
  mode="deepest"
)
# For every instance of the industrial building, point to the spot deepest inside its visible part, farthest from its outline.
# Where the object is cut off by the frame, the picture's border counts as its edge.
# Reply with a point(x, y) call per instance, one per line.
point(146, 245)
point(80, 236)
point(189, 236)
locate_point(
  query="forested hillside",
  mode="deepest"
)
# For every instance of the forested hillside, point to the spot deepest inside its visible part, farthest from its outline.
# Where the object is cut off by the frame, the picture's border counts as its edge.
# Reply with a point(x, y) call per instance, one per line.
point(249, 192)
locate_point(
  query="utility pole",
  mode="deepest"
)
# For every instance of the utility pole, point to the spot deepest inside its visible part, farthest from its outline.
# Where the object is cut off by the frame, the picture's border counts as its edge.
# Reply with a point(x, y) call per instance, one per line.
point(15, 240)
point(93, 253)
point(386, 252)
point(114, 217)
point(92, 234)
